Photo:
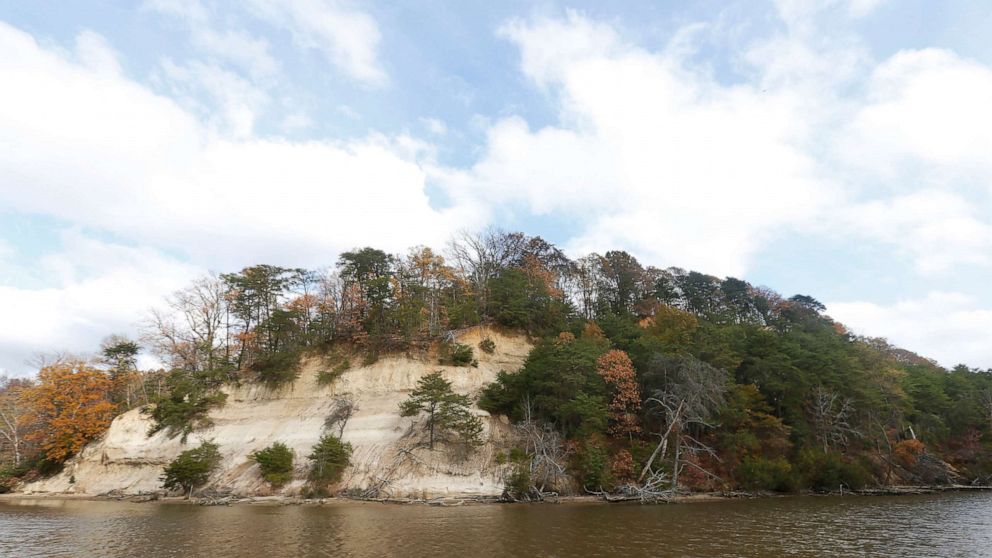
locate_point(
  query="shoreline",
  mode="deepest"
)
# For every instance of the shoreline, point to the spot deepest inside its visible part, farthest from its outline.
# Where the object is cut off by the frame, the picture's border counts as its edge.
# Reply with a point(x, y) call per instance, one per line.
point(457, 501)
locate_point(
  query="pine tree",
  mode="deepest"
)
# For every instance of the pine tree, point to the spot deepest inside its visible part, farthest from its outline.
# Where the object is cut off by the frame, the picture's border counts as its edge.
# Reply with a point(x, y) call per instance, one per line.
point(447, 412)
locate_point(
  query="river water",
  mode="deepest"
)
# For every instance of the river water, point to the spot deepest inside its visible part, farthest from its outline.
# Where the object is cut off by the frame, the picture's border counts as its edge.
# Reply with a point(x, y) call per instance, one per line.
point(956, 524)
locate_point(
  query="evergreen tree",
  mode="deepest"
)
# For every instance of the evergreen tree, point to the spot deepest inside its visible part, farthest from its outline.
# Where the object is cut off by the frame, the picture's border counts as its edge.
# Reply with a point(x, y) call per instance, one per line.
point(447, 412)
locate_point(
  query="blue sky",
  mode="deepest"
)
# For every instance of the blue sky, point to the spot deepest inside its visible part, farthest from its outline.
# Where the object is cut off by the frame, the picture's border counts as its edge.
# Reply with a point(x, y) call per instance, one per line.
point(838, 148)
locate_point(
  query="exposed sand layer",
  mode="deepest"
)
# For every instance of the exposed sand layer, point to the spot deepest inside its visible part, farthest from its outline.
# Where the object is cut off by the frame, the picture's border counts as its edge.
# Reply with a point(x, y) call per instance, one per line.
point(385, 445)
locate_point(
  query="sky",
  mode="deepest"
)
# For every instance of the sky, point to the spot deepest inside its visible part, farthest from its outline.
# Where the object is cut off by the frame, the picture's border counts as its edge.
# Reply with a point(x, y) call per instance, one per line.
point(836, 148)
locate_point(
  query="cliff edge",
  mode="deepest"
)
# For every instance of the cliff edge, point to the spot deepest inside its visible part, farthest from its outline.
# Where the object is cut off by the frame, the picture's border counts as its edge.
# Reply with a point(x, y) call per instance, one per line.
point(386, 454)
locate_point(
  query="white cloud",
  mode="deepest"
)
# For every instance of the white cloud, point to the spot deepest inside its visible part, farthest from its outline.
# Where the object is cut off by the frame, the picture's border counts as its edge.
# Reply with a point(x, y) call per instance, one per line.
point(236, 102)
point(937, 230)
point(295, 121)
point(347, 37)
point(649, 153)
point(434, 126)
point(103, 152)
point(102, 288)
point(952, 328)
point(232, 45)
point(95, 54)
point(927, 107)
point(804, 12)
point(114, 156)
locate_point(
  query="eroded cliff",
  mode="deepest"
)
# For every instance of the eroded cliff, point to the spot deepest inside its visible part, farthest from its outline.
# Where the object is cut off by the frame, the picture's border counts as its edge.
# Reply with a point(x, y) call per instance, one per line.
point(386, 449)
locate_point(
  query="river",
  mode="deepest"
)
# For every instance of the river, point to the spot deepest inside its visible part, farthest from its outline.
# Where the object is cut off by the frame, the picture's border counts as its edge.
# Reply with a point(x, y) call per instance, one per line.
point(939, 525)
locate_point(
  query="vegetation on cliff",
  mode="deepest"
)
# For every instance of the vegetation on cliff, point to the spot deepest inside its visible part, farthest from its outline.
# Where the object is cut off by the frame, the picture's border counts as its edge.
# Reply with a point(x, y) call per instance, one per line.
point(642, 380)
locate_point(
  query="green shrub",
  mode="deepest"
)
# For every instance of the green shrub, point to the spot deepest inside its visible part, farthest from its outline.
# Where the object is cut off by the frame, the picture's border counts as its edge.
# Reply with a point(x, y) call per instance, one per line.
point(276, 463)
point(829, 471)
point(10, 476)
point(370, 358)
point(517, 455)
point(278, 368)
point(593, 466)
point(186, 407)
point(457, 354)
point(759, 473)
point(325, 377)
point(517, 483)
point(192, 468)
point(487, 345)
point(328, 460)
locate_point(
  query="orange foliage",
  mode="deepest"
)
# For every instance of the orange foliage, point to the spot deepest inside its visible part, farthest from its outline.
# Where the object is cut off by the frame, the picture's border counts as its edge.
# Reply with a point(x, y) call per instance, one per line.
point(540, 276)
point(592, 331)
point(907, 452)
point(564, 338)
point(69, 406)
point(622, 466)
point(617, 370)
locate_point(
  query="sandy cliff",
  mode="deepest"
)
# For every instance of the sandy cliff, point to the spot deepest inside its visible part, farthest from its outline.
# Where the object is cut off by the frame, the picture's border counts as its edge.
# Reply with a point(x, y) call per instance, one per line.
point(254, 417)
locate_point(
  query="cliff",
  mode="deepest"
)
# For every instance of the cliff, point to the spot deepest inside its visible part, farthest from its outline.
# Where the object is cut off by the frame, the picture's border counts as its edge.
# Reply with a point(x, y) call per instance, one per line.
point(386, 452)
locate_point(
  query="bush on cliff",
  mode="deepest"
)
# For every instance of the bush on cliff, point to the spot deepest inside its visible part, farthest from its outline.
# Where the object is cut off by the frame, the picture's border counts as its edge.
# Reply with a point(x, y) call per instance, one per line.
point(192, 468)
point(328, 460)
point(276, 463)
point(186, 405)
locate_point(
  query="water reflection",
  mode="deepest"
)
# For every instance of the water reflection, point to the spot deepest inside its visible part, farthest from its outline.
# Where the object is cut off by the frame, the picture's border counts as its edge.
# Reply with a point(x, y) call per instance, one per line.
point(937, 525)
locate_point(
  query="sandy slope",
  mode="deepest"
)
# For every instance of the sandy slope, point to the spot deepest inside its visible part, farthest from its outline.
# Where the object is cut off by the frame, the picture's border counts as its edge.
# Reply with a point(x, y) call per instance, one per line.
point(254, 417)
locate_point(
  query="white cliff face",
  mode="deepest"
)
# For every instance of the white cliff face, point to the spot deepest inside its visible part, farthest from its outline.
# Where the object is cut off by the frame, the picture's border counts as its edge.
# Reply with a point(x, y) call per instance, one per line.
point(385, 444)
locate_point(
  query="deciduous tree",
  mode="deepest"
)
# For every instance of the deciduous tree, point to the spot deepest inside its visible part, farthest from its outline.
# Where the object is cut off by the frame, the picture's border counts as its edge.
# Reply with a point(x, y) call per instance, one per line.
point(618, 372)
point(70, 405)
point(12, 426)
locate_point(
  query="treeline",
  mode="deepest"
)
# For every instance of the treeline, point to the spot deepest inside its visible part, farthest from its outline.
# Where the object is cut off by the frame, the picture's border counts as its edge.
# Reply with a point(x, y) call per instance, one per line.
point(639, 373)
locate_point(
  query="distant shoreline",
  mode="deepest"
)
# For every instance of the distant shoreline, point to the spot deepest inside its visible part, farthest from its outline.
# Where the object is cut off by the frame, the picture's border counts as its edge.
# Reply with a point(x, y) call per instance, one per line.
point(455, 501)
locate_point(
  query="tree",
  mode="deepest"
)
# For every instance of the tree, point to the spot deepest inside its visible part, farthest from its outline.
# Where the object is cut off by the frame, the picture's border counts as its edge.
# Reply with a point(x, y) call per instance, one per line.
point(328, 459)
point(371, 270)
point(691, 392)
point(447, 412)
point(622, 279)
point(185, 407)
point(70, 405)
point(120, 356)
point(831, 416)
point(192, 468)
point(554, 376)
point(481, 257)
point(618, 373)
point(12, 426)
point(255, 297)
point(275, 462)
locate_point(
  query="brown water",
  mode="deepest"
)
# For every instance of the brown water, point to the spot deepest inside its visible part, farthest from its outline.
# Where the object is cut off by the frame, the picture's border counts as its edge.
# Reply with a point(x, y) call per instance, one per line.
point(919, 526)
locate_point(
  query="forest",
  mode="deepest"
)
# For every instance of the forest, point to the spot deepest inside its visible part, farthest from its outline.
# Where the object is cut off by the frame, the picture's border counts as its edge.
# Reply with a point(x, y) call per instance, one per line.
point(643, 381)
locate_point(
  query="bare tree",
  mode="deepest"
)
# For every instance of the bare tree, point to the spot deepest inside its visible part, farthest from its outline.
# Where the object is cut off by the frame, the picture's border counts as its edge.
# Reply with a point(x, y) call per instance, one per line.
point(483, 256)
point(831, 416)
point(693, 392)
point(582, 285)
point(546, 452)
point(191, 332)
point(342, 409)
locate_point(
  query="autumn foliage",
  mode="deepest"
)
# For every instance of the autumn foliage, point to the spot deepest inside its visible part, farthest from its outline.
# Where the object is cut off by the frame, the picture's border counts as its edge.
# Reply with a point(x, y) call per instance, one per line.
point(617, 370)
point(908, 452)
point(69, 406)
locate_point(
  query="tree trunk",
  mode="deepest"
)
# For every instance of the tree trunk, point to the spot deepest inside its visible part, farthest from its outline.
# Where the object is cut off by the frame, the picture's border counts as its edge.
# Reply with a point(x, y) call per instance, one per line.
point(675, 466)
point(662, 448)
point(430, 425)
